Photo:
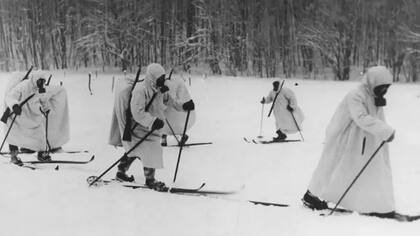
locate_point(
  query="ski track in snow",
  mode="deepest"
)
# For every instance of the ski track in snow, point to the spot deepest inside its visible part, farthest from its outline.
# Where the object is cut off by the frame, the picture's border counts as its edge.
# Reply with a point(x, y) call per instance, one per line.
point(50, 202)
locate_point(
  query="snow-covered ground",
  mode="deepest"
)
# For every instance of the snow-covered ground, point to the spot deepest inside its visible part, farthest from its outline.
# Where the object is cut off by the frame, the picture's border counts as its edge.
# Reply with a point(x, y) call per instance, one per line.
point(49, 202)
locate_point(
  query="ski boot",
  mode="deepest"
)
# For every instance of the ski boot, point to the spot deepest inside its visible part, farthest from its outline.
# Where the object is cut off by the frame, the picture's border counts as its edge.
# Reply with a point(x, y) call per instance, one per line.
point(163, 141)
point(44, 156)
point(151, 182)
point(280, 136)
point(124, 165)
point(183, 140)
point(313, 202)
point(123, 177)
point(15, 159)
point(156, 185)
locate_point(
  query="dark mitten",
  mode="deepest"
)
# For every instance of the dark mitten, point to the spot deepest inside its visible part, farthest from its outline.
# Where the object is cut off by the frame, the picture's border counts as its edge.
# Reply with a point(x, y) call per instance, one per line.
point(157, 124)
point(164, 89)
point(289, 108)
point(17, 109)
point(262, 100)
point(188, 106)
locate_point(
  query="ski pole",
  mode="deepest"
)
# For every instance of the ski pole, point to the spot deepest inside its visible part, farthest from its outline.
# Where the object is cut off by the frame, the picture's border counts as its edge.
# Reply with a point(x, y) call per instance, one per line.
point(357, 176)
point(47, 146)
point(89, 82)
point(125, 154)
point(297, 126)
point(261, 121)
point(172, 131)
point(275, 98)
point(8, 131)
point(181, 145)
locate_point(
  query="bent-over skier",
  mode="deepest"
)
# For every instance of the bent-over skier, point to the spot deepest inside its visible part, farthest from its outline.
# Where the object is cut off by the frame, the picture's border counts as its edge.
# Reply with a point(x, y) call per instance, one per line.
point(147, 106)
point(29, 128)
point(355, 131)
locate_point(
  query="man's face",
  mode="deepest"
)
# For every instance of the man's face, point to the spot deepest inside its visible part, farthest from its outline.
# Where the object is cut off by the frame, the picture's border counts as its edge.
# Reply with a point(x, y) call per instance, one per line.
point(381, 90)
point(275, 86)
point(40, 84)
point(160, 81)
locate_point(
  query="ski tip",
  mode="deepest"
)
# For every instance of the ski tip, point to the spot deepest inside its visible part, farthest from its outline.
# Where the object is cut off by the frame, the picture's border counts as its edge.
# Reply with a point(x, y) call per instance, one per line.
point(92, 158)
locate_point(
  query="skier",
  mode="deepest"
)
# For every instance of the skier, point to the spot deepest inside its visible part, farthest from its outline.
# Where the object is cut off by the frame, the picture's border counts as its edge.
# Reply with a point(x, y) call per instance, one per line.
point(145, 118)
point(355, 131)
point(29, 128)
point(175, 120)
point(285, 111)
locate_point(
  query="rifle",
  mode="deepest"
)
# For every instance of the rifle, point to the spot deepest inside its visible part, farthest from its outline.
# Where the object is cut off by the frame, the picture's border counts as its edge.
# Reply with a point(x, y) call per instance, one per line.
point(128, 114)
point(27, 73)
point(6, 113)
point(275, 98)
point(170, 74)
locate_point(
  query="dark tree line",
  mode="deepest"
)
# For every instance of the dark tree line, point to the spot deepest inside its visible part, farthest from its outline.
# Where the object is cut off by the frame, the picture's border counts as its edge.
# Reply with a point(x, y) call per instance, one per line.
point(265, 38)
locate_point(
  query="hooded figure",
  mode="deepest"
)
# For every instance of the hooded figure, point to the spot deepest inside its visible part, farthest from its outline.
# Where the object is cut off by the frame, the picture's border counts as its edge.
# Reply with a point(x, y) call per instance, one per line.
point(176, 119)
point(284, 105)
point(355, 131)
point(29, 129)
point(147, 108)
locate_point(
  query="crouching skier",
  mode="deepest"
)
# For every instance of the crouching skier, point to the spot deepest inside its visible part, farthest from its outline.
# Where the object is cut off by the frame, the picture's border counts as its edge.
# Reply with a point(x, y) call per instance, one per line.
point(147, 106)
point(285, 110)
point(29, 130)
point(356, 130)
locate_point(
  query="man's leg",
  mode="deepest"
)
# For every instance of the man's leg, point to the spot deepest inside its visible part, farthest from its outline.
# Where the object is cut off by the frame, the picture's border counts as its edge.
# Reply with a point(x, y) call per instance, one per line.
point(280, 136)
point(124, 165)
point(151, 182)
point(14, 150)
point(163, 141)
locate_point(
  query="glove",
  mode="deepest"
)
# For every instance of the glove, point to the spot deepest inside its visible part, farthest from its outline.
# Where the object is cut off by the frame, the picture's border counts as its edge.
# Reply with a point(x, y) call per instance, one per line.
point(188, 106)
point(262, 100)
point(289, 108)
point(17, 109)
point(391, 138)
point(164, 89)
point(157, 124)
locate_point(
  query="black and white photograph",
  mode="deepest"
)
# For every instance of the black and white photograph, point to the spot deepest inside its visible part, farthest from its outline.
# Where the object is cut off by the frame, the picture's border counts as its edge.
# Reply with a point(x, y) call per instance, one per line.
point(209, 117)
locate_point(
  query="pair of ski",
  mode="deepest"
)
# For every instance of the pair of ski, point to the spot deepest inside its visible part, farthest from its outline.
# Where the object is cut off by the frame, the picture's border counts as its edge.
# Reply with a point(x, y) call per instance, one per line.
point(176, 190)
point(395, 216)
point(33, 164)
point(200, 192)
point(341, 211)
point(254, 141)
point(58, 152)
